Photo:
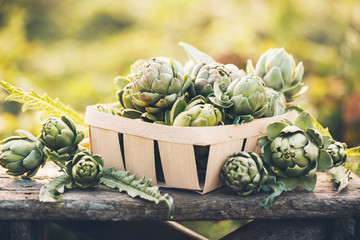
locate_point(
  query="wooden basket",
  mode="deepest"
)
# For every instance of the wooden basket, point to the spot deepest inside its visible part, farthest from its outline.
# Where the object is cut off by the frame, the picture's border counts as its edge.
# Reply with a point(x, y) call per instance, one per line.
point(131, 145)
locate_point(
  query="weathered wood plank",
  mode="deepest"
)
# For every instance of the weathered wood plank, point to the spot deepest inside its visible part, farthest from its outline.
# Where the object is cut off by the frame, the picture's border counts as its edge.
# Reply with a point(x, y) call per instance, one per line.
point(19, 201)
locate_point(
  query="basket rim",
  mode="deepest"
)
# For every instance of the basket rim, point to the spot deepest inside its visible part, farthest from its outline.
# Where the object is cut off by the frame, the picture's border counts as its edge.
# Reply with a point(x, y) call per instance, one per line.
point(186, 135)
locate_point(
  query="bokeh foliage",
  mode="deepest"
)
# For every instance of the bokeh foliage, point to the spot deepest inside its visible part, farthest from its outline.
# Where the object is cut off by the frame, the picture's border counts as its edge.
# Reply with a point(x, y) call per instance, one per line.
point(74, 49)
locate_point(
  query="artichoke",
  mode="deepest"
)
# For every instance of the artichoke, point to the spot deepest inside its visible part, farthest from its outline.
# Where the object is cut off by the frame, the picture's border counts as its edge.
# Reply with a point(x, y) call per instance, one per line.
point(244, 173)
point(157, 84)
point(294, 153)
point(198, 116)
point(243, 100)
point(85, 169)
point(204, 76)
point(277, 68)
point(22, 154)
point(337, 153)
point(276, 102)
point(60, 138)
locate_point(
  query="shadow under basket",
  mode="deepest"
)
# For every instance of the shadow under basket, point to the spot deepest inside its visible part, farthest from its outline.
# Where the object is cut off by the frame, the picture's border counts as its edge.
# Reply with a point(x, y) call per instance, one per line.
point(170, 155)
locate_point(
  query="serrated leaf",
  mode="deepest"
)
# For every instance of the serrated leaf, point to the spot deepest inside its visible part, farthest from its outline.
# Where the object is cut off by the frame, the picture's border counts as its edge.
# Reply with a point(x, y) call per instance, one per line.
point(124, 182)
point(33, 101)
point(196, 55)
point(53, 191)
point(340, 176)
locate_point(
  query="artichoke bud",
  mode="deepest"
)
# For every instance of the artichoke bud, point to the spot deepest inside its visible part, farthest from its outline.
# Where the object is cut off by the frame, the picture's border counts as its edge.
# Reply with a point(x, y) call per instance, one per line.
point(337, 153)
point(22, 154)
point(85, 169)
point(156, 85)
point(277, 68)
point(276, 102)
point(244, 173)
point(204, 76)
point(60, 135)
point(199, 115)
point(248, 97)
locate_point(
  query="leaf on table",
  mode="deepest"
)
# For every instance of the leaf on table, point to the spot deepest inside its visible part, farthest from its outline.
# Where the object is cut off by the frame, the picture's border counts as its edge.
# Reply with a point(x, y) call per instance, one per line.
point(340, 176)
point(124, 182)
point(271, 185)
point(33, 101)
point(53, 191)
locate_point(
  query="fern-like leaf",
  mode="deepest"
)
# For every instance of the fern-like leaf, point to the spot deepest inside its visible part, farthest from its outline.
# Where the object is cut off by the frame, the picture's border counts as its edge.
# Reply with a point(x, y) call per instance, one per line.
point(124, 182)
point(33, 101)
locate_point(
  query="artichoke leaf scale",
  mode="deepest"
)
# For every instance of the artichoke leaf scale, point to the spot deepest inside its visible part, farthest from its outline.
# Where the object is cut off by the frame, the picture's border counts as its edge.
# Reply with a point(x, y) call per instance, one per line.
point(10, 157)
point(33, 160)
point(287, 69)
point(22, 147)
point(311, 151)
point(274, 79)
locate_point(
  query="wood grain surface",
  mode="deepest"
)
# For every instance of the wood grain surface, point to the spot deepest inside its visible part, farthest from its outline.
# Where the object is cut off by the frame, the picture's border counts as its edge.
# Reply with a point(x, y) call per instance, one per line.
point(19, 200)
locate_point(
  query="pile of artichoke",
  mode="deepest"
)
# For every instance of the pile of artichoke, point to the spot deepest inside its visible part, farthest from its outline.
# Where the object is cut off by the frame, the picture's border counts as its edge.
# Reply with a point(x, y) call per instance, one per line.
point(59, 140)
point(291, 154)
point(154, 88)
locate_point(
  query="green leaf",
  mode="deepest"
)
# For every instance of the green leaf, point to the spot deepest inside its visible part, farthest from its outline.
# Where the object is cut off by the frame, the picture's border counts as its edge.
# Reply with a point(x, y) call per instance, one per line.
point(340, 176)
point(124, 182)
point(290, 182)
point(53, 191)
point(325, 161)
point(196, 55)
point(274, 129)
point(33, 101)
point(304, 121)
point(121, 82)
point(277, 187)
point(308, 183)
point(353, 161)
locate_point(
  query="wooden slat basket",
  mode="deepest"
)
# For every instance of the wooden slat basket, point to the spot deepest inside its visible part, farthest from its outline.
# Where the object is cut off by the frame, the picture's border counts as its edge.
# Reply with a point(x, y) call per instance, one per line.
point(134, 145)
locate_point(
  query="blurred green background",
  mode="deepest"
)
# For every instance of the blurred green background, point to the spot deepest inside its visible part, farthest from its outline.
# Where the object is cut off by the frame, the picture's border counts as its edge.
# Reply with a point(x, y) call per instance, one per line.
point(73, 50)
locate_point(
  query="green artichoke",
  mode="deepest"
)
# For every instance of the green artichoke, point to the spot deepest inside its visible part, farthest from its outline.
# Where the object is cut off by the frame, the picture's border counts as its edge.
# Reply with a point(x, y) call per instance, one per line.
point(22, 154)
point(294, 153)
point(204, 76)
point(85, 169)
point(198, 116)
point(243, 100)
point(158, 83)
point(277, 68)
point(60, 138)
point(337, 153)
point(244, 173)
point(276, 102)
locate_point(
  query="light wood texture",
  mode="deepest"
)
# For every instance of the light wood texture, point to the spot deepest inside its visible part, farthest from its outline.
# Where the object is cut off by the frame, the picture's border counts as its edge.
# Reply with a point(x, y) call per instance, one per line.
point(179, 166)
point(218, 153)
point(139, 157)
point(19, 200)
point(186, 135)
point(251, 145)
point(106, 143)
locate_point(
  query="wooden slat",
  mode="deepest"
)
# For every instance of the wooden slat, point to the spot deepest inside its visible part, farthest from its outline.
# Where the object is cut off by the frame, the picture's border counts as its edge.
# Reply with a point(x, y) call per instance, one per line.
point(139, 157)
point(19, 199)
point(218, 153)
point(251, 145)
point(186, 135)
point(179, 166)
point(106, 143)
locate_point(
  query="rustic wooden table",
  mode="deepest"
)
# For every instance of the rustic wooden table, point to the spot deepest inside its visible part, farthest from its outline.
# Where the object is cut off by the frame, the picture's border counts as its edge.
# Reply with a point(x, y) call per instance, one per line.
point(321, 214)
